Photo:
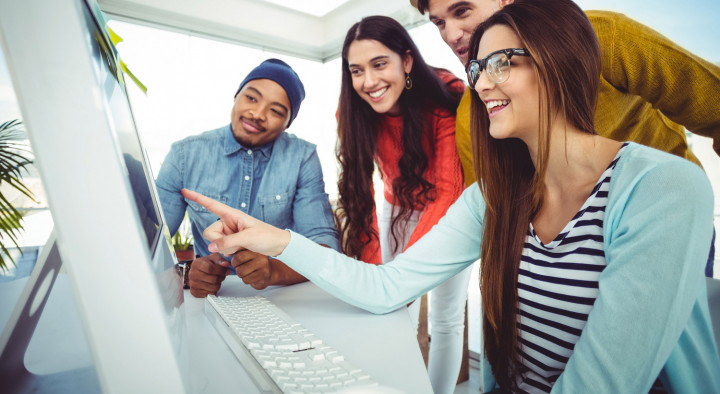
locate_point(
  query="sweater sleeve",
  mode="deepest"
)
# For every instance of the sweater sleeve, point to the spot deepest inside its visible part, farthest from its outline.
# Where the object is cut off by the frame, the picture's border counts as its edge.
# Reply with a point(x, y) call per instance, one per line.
point(649, 312)
point(642, 62)
point(445, 172)
point(447, 249)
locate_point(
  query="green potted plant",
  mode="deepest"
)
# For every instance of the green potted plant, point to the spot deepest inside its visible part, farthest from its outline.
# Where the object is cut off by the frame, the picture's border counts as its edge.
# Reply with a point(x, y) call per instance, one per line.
point(182, 241)
point(14, 158)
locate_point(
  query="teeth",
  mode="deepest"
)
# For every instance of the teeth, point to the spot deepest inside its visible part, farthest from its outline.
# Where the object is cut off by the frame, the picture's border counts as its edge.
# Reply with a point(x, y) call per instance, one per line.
point(378, 93)
point(496, 103)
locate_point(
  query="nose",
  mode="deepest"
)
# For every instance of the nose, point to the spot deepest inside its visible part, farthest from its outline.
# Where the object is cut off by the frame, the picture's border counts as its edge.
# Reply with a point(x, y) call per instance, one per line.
point(484, 83)
point(370, 80)
point(258, 113)
point(453, 33)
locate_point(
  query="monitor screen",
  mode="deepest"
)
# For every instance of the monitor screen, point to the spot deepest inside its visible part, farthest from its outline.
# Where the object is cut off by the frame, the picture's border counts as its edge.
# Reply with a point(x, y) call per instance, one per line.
point(110, 78)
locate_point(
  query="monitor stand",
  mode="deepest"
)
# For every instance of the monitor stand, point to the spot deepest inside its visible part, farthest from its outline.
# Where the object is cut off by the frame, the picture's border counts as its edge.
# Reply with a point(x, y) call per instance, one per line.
point(21, 327)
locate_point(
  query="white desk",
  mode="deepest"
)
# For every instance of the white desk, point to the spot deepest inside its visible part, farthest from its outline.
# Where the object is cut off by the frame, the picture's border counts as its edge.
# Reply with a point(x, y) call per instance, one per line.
point(382, 345)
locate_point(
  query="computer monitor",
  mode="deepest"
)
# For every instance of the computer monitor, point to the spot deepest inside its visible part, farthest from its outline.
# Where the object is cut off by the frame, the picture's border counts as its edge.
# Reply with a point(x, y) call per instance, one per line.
point(109, 228)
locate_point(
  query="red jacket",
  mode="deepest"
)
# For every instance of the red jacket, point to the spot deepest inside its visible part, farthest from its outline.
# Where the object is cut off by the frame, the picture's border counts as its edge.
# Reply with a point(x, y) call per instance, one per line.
point(444, 169)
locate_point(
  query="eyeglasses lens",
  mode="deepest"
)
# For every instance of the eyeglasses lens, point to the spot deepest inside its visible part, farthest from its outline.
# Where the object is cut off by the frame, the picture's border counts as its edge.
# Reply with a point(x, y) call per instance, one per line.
point(498, 67)
point(473, 73)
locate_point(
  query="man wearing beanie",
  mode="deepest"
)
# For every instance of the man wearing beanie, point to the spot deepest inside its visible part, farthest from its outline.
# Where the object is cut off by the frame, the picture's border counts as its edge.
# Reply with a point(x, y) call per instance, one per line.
point(253, 165)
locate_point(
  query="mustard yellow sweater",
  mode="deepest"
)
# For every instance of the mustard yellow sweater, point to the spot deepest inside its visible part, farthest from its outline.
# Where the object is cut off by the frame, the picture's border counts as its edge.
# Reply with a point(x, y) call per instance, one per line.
point(649, 89)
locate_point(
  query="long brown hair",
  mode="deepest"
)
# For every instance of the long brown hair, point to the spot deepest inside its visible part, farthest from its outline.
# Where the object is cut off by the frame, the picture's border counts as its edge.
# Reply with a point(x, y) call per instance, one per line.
point(357, 137)
point(566, 57)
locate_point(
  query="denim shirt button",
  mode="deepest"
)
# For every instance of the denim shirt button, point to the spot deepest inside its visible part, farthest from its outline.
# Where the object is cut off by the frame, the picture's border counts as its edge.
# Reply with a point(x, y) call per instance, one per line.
point(250, 152)
point(278, 197)
point(247, 177)
point(243, 205)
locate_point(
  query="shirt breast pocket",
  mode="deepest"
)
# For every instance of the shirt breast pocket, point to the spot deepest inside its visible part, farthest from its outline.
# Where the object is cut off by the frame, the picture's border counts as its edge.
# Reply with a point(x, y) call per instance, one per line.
point(277, 209)
point(201, 216)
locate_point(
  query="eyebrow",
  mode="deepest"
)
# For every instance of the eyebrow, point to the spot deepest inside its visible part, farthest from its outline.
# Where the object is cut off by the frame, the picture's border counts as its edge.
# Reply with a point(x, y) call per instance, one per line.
point(453, 7)
point(371, 60)
point(272, 103)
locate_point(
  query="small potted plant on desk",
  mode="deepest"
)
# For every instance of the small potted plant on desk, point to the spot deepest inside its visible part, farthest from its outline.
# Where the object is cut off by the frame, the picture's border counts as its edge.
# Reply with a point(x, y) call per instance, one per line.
point(183, 242)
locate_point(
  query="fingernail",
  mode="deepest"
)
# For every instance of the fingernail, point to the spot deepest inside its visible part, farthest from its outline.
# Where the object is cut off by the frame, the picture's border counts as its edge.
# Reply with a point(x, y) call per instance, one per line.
point(212, 248)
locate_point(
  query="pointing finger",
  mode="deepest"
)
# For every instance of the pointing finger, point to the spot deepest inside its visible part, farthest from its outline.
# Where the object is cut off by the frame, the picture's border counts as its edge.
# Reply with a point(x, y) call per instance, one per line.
point(208, 203)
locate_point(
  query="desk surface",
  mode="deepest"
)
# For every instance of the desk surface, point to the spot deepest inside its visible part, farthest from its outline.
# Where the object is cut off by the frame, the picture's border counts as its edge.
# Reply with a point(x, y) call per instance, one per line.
point(384, 346)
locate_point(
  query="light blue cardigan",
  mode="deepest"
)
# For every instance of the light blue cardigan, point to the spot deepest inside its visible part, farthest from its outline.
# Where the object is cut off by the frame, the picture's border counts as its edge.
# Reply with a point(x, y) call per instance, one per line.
point(651, 316)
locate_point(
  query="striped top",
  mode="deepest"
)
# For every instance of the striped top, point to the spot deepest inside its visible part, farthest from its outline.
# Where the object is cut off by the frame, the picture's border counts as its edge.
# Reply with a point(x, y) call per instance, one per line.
point(557, 287)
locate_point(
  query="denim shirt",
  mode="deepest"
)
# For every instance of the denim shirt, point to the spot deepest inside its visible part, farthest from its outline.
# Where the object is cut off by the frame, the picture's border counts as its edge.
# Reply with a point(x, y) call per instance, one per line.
point(291, 196)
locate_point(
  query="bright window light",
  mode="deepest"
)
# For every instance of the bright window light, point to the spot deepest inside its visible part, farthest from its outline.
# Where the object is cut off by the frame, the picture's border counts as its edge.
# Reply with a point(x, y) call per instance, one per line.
point(312, 7)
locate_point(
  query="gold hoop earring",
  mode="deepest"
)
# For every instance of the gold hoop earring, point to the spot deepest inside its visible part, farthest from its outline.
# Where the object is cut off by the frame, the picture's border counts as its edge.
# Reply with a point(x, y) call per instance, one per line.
point(408, 82)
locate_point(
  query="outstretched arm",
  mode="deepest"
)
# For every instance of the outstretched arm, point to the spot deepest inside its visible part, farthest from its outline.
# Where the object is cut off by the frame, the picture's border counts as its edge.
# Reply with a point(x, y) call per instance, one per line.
point(446, 250)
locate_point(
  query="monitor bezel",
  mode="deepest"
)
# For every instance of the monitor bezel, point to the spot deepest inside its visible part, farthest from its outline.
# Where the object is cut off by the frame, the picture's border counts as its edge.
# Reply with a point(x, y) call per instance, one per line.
point(129, 299)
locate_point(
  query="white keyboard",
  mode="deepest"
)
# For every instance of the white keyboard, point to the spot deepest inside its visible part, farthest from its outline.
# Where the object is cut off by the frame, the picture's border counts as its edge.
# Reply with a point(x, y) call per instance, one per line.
point(278, 353)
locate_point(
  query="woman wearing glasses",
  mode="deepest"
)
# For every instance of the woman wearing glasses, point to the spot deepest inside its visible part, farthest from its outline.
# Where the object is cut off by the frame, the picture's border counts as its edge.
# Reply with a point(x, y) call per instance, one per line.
point(398, 113)
point(592, 250)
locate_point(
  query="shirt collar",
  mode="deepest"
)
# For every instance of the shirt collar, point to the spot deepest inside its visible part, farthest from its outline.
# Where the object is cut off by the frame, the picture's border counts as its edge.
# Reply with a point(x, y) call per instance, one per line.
point(231, 145)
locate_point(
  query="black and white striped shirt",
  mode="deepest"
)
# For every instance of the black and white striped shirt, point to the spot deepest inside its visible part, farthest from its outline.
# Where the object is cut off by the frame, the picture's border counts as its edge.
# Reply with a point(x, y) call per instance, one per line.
point(557, 287)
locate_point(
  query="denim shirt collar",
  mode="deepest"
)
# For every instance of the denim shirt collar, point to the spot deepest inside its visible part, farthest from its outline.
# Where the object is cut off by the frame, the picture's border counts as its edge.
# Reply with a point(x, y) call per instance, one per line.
point(230, 145)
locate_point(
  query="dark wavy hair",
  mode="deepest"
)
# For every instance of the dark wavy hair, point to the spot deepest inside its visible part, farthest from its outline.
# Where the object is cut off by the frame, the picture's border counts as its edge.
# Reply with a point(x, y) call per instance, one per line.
point(357, 137)
point(566, 56)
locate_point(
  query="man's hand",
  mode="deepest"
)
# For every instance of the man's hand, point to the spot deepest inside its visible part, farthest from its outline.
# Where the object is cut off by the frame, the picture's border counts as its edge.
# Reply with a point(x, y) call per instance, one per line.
point(253, 268)
point(206, 275)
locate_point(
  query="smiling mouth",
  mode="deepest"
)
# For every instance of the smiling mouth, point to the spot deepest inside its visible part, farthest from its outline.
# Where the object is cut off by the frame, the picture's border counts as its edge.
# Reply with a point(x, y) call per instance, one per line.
point(495, 106)
point(376, 95)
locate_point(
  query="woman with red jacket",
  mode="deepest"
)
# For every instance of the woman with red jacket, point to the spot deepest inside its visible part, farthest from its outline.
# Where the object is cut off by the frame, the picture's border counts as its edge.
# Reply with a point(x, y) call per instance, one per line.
point(398, 113)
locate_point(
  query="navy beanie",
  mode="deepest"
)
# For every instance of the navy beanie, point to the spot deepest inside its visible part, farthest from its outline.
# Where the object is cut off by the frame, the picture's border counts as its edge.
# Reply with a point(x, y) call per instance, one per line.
point(280, 72)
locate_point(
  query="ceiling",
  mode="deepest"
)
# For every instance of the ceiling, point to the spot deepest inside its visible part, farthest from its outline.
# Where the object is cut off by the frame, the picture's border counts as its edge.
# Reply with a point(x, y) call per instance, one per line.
point(315, 32)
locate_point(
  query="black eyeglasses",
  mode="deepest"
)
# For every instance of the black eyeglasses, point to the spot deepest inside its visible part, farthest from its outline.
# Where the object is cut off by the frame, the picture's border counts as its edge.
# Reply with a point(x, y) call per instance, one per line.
point(497, 65)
